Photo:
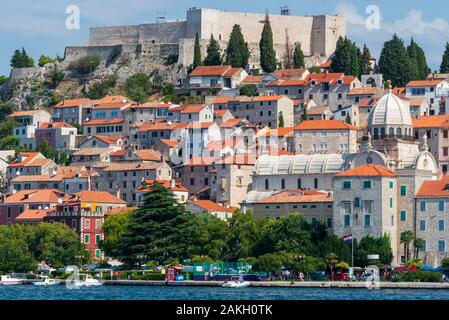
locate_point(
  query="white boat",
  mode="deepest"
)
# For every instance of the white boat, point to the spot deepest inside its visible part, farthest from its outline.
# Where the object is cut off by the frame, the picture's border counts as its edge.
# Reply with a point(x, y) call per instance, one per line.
point(47, 282)
point(87, 281)
point(8, 280)
point(236, 282)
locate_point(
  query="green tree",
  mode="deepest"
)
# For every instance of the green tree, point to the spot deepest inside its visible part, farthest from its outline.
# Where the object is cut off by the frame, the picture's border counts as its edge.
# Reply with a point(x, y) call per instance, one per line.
point(43, 60)
point(56, 75)
point(418, 244)
point(3, 79)
point(114, 228)
point(213, 55)
point(156, 230)
point(237, 52)
point(21, 59)
point(196, 52)
point(243, 232)
point(267, 53)
point(85, 65)
point(365, 61)
point(370, 245)
point(420, 69)
point(405, 239)
point(14, 251)
point(444, 67)
point(348, 119)
point(249, 90)
point(281, 120)
point(269, 262)
point(138, 87)
point(100, 89)
point(347, 58)
point(47, 150)
point(394, 62)
point(304, 113)
point(331, 261)
point(445, 263)
point(298, 57)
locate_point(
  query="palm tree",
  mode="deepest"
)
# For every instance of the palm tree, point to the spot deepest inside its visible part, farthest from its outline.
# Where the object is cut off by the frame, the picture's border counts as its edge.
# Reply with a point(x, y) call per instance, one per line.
point(419, 244)
point(406, 238)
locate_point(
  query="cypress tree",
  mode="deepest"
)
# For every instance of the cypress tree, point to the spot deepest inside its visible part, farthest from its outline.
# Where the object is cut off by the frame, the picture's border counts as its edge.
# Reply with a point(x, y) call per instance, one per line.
point(419, 67)
point(298, 57)
point(444, 67)
point(365, 63)
point(394, 62)
point(267, 53)
point(343, 56)
point(196, 52)
point(356, 56)
point(213, 57)
point(237, 52)
point(281, 120)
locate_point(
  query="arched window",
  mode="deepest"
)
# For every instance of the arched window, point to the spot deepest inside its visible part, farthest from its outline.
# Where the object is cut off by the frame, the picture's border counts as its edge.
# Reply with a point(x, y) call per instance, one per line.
point(399, 131)
point(267, 185)
point(282, 184)
point(299, 183)
point(376, 133)
point(382, 132)
point(315, 183)
point(391, 132)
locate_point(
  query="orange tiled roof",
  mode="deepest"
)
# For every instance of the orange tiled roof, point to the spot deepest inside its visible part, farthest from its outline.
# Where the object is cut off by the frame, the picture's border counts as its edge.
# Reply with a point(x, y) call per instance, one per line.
point(298, 196)
point(96, 196)
point(424, 83)
point(35, 196)
point(160, 125)
point(119, 210)
point(97, 122)
point(324, 125)
point(435, 189)
point(193, 109)
point(286, 83)
point(148, 155)
point(165, 183)
point(252, 79)
point(24, 113)
point(111, 99)
point(230, 123)
point(363, 91)
point(49, 125)
point(289, 74)
point(65, 103)
point(170, 143)
point(221, 112)
point(31, 214)
point(29, 158)
point(211, 206)
point(326, 64)
point(317, 110)
point(214, 71)
point(109, 139)
point(398, 91)
point(367, 170)
point(438, 121)
point(110, 105)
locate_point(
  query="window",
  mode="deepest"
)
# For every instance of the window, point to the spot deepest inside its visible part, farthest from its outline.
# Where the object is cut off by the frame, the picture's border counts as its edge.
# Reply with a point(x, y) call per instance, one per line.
point(441, 245)
point(391, 184)
point(267, 185)
point(329, 222)
point(97, 238)
point(282, 184)
point(391, 202)
point(441, 225)
point(422, 225)
point(424, 246)
point(86, 224)
point(356, 202)
point(315, 183)
point(98, 221)
point(368, 207)
point(367, 220)
point(367, 184)
point(347, 221)
point(346, 184)
point(314, 220)
point(441, 205)
point(97, 253)
point(403, 215)
point(299, 183)
point(86, 239)
point(422, 206)
point(403, 190)
point(347, 208)
point(445, 151)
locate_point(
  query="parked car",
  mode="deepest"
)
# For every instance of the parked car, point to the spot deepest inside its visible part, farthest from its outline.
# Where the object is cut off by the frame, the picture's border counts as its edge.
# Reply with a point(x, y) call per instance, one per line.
point(319, 276)
point(339, 276)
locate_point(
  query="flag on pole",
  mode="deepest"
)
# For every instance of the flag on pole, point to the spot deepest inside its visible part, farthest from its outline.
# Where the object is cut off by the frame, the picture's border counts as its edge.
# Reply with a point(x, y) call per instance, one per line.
point(347, 238)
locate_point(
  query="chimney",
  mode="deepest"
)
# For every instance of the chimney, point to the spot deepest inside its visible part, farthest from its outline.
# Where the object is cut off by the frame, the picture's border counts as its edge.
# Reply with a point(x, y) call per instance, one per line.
point(172, 184)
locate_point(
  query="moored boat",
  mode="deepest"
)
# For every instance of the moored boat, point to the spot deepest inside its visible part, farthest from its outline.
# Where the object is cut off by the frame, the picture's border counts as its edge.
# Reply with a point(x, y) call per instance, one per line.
point(236, 282)
point(8, 280)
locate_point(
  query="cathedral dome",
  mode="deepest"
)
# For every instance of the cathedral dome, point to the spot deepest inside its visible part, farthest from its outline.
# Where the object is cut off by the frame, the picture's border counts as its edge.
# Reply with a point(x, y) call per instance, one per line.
point(390, 116)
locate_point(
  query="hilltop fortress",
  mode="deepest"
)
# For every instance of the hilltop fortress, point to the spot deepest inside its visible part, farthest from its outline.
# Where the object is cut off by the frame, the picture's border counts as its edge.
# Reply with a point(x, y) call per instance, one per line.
point(317, 34)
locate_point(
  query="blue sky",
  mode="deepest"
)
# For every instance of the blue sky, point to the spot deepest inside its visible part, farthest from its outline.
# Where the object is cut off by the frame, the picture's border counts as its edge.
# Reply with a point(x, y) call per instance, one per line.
point(39, 26)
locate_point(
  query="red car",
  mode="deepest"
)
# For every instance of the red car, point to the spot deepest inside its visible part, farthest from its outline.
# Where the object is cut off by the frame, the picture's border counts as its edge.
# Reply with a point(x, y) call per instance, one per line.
point(405, 269)
point(339, 276)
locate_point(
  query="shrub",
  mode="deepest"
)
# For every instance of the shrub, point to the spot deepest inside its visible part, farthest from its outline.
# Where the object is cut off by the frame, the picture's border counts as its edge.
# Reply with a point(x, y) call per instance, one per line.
point(138, 87)
point(249, 90)
point(100, 89)
point(85, 64)
point(419, 276)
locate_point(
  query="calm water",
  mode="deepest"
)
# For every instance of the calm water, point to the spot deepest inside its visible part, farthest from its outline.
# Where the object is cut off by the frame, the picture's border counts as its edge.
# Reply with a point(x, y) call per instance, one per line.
point(213, 293)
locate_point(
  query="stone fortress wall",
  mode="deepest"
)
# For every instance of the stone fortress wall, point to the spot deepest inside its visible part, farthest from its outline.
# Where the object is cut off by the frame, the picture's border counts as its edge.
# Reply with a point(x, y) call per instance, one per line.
point(317, 34)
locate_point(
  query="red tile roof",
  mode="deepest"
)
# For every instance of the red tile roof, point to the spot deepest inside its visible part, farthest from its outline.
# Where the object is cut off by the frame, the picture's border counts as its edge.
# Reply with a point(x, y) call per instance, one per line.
point(298, 196)
point(96, 197)
point(98, 122)
point(30, 157)
point(170, 143)
point(109, 139)
point(32, 215)
point(253, 79)
point(230, 123)
point(147, 184)
point(111, 105)
point(160, 125)
point(66, 103)
point(324, 125)
point(148, 155)
point(435, 189)
point(367, 170)
point(193, 109)
point(364, 91)
point(290, 74)
point(438, 121)
point(424, 83)
point(49, 125)
point(227, 71)
point(286, 83)
point(35, 196)
point(211, 206)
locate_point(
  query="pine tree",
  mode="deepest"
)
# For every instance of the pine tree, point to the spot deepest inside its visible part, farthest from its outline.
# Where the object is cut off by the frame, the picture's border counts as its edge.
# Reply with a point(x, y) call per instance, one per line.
point(365, 62)
point(21, 59)
point(298, 57)
point(281, 120)
point(348, 119)
point(356, 56)
point(196, 52)
point(267, 53)
point(237, 52)
point(444, 67)
point(394, 62)
point(155, 231)
point(418, 64)
point(213, 57)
